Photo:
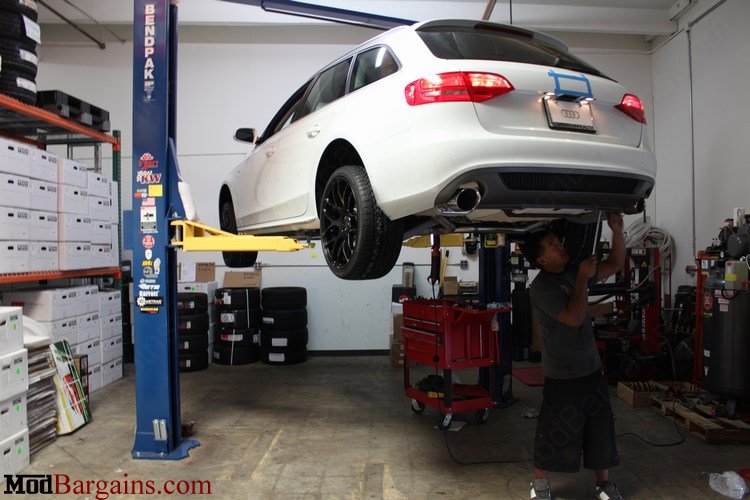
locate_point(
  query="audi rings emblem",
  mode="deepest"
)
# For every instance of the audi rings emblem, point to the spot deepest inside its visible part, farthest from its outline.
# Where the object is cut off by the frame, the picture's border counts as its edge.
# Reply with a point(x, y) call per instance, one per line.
point(569, 113)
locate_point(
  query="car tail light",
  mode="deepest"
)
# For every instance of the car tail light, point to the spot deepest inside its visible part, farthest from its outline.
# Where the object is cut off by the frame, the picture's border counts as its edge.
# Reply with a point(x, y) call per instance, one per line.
point(633, 107)
point(459, 86)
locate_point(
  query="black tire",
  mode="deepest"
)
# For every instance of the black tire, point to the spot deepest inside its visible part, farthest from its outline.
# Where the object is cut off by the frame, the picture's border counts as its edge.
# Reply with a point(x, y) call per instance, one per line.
point(228, 223)
point(292, 319)
point(12, 85)
point(28, 9)
point(193, 324)
point(14, 57)
point(229, 355)
point(359, 241)
point(12, 26)
point(192, 303)
point(237, 298)
point(283, 339)
point(283, 356)
point(284, 297)
point(194, 362)
point(240, 338)
point(240, 319)
point(192, 344)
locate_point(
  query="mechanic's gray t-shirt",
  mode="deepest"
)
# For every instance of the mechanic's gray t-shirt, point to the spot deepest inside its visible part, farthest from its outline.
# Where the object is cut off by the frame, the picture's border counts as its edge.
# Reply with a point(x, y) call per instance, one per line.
point(568, 352)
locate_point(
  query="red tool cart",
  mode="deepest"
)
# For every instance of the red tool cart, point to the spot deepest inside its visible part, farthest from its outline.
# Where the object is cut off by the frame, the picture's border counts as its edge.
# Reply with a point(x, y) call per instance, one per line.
point(447, 336)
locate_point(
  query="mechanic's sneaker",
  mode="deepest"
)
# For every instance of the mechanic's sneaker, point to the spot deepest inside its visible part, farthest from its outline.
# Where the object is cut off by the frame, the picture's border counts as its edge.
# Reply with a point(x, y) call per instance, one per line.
point(608, 492)
point(540, 489)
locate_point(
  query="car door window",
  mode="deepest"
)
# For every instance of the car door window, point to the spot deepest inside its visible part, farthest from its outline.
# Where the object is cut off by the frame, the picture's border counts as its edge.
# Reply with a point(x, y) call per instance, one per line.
point(285, 115)
point(330, 85)
point(372, 65)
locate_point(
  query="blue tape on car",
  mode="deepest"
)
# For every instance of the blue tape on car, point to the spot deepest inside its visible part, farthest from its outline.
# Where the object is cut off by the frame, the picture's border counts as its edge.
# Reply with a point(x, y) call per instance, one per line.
point(571, 82)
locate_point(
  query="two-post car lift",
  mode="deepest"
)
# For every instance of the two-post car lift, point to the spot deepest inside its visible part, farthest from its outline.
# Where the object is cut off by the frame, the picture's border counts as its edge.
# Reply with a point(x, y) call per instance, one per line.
point(158, 213)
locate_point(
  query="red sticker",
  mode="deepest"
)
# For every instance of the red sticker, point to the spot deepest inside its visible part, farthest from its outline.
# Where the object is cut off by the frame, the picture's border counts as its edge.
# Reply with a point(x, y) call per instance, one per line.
point(708, 300)
point(148, 242)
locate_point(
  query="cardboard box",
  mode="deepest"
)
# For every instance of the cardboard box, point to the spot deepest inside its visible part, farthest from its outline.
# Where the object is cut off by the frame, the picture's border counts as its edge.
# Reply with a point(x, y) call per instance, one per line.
point(14, 257)
point(111, 349)
point(242, 279)
point(398, 324)
point(450, 285)
point(115, 242)
point(14, 453)
point(15, 157)
point(90, 348)
point(110, 302)
point(71, 173)
point(196, 271)
point(101, 256)
point(89, 327)
point(111, 372)
point(43, 165)
point(97, 184)
point(95, 378)
point(101, 233)
point(63, 329)
point(75, 255)
point(11, 329)
point(401, 293)
point(44, 304)
point(100, 206)
point(207, 287)
point(14, 223)
point(397, 354)
point(44, 256)
point(14, 374)
point(88, 299)
point(13, 416)
point(639, 393)
point(111, 326)
point(73, 227)
point(43, 195)
point(114, 199)
point(43, 225)
point(15, 191)
point(72, 200)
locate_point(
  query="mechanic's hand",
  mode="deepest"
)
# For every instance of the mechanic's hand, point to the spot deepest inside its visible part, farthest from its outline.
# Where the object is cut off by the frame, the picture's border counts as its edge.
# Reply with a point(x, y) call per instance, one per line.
point(587, 269)
point(614, 219)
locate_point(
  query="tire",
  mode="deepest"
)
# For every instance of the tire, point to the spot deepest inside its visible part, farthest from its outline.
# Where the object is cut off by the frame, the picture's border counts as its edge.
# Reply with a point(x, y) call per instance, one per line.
point(237, 298)
point(228, 355)
point(12, 26)
point(359, 241)
point(18, 57)
point(192, 303)
point(240, 338)
point(240, 319)
point(192, 324)
point(26, 8)
point(283, 339)
point(271, 356)
point(192, 344)
point(17, 86)
point(284, 297)
point(194, 362)
point(292, 319)
point(228, 223)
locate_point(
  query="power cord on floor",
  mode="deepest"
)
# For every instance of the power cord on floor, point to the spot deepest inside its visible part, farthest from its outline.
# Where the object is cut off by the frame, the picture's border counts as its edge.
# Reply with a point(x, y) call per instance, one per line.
point(677, 428)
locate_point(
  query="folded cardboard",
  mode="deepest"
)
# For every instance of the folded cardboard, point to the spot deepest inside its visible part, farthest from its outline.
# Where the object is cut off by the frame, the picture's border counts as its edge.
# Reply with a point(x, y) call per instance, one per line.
point(14, 223)
point(14, 257)
point(13, 416)
point(15, 157)
point(11, 329)
point(14, 373)
point(72, 200)
point(43, 165)
point(44, 256)
point(15, 191)
point(43, 195)
point(242, 279)
point(43, 225)
point(71, 173)
point(97, 184)
point(48, 304)
point(73, 227)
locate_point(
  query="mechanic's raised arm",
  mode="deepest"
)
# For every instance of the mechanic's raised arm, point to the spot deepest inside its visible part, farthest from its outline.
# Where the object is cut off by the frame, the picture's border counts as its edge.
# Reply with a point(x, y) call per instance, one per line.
point(616, 259)
point(574, 313)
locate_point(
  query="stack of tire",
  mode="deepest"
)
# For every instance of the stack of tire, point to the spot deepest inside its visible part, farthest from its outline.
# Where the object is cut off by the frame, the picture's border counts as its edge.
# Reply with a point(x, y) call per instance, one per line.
point(283, 333)
point(237, 338)
point(19, 36)
point(192, 325)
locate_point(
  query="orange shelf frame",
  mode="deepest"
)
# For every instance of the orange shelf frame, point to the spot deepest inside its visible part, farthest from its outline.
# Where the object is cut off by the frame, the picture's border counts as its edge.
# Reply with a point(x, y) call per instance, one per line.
point(59, 275)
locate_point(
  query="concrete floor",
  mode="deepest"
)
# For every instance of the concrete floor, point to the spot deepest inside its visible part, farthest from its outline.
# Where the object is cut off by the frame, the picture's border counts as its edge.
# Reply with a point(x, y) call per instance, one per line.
point(341, 427)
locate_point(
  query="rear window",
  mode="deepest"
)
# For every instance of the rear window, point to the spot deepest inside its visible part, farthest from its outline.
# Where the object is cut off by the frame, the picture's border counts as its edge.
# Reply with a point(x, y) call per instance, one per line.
point(497, 44)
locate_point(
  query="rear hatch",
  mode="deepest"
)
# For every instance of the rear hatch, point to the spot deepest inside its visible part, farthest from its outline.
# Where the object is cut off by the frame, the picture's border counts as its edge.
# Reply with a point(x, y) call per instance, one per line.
point(556, 95)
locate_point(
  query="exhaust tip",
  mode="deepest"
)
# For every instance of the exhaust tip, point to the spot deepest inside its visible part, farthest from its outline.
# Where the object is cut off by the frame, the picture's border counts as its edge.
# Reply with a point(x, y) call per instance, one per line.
point(463, 201)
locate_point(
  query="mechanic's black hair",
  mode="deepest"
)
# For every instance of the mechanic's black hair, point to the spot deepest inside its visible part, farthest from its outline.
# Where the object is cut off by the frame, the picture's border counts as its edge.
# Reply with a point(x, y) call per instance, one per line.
point(532, 246)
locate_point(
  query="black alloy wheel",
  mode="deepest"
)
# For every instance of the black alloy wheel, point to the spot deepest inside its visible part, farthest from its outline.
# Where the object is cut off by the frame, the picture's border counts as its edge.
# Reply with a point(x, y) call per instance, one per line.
point(339, 223)
point(228, 223)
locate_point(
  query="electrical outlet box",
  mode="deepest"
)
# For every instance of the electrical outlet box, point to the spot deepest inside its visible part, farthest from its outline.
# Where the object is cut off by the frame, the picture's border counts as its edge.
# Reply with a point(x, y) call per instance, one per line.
point(464, 264)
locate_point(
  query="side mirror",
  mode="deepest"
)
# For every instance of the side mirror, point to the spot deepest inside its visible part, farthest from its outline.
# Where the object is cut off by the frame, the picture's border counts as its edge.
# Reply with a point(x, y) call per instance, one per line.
point(245, 135)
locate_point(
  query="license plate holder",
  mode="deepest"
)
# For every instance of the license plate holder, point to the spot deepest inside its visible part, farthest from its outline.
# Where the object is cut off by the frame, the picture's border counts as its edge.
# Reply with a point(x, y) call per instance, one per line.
point(569, 115)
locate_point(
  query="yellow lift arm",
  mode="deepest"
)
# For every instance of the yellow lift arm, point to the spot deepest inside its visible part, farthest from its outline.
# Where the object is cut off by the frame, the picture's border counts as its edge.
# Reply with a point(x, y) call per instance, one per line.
point(197, 237)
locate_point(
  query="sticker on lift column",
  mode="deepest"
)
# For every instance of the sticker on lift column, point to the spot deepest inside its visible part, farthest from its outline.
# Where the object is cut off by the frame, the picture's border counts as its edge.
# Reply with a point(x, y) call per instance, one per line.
point(148, 220)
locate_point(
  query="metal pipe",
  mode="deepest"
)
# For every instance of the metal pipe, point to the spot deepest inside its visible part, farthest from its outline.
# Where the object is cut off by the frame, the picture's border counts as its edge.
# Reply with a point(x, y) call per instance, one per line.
point(122, 40)
point(85, 33)
point(488, 10)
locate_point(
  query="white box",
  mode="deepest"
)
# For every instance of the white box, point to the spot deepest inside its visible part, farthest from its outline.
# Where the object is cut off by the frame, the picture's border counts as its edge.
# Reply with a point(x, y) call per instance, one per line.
point(43, 225)
point(95, 378)
point(11, 329)
point(14, 223)
point(74, 227)
point(101, 255)
point(72, 200)
point(44, 256)
point(99, 206)
point(63, 329)
point(90, 348)
point(88, 299)
point(71, 172)
point(110, 302)
point(43, 165)
point(13, 416)
point(207, 287)
point(15, 158)
point(44, 304)
point(101, 233)
point(14, 453)
point(115, 244)
point(111, 349)
point(89, 327)
point(43, 195)
point(111, 371)
point(97, 184)
point(111, 325)
point(114, 198)
point(14, 257)
point(15, 191)
point(75, 255)
point(14, 374)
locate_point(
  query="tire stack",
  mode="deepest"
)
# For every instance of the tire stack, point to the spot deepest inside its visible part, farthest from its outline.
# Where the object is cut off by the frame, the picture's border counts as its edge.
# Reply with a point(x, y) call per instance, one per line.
point(283, 333)
point(19, 36)
point(193, 327)
point(237, 338)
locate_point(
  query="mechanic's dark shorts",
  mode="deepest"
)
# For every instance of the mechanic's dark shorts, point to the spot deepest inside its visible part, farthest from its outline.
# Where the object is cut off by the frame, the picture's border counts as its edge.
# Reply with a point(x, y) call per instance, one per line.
point(575, 418)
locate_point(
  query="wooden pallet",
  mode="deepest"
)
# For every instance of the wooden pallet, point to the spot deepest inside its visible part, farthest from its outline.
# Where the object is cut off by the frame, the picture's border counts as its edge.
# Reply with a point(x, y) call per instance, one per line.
point(714, 430)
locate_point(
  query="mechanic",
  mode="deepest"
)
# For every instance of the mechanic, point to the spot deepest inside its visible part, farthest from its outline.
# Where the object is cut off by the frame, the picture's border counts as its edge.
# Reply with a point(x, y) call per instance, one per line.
point(575, 417)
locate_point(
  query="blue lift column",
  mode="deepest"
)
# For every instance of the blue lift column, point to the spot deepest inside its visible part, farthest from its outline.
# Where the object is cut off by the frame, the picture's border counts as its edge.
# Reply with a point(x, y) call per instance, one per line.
point(155, 202)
